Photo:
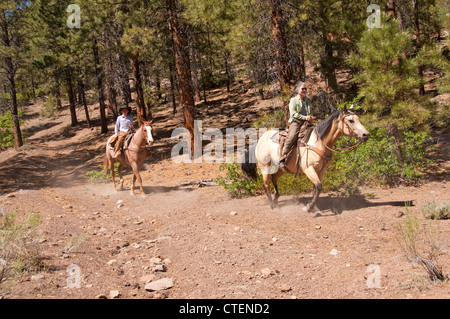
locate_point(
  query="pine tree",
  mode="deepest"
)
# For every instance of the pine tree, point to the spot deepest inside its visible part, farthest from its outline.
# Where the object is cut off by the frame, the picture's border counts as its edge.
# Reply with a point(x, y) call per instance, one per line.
point(388, 77)
point(11, 39)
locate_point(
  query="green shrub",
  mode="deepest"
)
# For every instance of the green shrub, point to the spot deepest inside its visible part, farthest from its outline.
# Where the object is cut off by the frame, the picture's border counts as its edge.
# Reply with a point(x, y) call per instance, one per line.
point(6, 130)
point(18, 254)
point(433, 211)
point(235, 182)
point(49, 107)
point(100, 176)
point(375, 162)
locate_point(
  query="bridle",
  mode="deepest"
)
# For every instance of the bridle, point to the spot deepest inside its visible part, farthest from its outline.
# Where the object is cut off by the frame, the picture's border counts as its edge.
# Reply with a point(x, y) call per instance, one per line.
point(342, 117)
point(142, 147)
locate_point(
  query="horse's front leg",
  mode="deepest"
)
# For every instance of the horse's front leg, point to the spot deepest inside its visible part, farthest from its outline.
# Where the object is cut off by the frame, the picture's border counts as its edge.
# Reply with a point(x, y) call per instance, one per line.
point(311, 173)
point(113, 175)
point(120, 169)
point(137, 176)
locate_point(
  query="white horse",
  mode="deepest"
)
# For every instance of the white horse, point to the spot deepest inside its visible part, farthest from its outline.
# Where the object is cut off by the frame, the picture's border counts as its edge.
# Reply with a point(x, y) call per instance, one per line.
point(314, 157)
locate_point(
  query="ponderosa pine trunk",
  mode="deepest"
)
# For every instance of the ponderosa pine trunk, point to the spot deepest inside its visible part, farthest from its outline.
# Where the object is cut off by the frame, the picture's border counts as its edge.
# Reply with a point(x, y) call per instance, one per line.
point(419, 44)
point(72, 106)
point(140, 103)
point(183, 68)
point(11, 75)
point(283, 65)
point(100, 90)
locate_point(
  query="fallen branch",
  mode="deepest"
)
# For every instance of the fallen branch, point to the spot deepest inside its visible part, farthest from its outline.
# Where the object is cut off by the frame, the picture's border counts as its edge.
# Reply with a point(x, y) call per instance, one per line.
point(200, 183)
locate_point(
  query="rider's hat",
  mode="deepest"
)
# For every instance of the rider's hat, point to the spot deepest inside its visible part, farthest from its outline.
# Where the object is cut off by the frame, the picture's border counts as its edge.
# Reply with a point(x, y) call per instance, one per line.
point(125, 107)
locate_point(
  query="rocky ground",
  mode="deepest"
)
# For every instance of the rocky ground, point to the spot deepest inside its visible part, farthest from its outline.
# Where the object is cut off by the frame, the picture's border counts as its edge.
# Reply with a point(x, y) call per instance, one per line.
point(189, 242)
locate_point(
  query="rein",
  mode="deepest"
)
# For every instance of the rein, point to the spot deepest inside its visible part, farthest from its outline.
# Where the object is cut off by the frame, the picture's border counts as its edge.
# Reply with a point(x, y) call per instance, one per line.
point(139, 147)
point(342, 150)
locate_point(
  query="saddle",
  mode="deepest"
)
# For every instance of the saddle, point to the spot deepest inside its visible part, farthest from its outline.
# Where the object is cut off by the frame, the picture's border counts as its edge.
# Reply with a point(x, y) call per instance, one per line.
point(302, 139)
point(126, 143)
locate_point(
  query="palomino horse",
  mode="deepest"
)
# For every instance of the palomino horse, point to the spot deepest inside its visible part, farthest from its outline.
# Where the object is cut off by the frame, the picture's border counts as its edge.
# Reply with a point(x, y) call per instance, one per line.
point(311, 159)
point(134, 156)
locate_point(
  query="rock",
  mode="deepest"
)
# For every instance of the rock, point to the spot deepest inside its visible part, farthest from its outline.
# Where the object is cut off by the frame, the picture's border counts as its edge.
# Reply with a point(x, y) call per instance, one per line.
point(399, 214)
point(155, 261)
point(161, 284)
point(266, 272)
point(285, 288)
point(37, 277)
point(147, 278)
point(114, 294)
point(102, 296)
point(160, 268)
point(112, 261)
point(334, 252)
point(233, 213)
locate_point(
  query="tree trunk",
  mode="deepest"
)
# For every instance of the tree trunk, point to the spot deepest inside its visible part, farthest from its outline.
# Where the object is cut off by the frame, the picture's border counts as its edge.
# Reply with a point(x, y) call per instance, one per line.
point(109, 77)
point(84, 102)
point(73, 113)
point(183, 68)
point(140, 103)
point(18, 141)
point(393, 131)
point(11, 75)
point(328, 67)
point(419, 44)
point(101, 93)
point(283, 66)
point(172, 89)
point(227, 70)
point(194, 68)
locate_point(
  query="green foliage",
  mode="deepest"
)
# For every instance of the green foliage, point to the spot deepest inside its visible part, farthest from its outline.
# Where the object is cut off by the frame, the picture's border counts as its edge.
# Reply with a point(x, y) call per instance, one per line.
point(431, 210)
point(99, 176)
point(235, 182)
point(18, 254)
point(6, 130)
point(49, 107)
point(375, 162)
point(388, 77)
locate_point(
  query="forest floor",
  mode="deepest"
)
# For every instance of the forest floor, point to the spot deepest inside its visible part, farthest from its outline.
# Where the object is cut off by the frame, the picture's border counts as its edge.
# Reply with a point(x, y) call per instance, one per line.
point(208, 245)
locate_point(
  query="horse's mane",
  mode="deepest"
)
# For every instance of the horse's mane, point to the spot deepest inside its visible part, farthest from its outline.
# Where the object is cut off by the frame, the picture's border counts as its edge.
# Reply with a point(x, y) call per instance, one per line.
point(323, 127)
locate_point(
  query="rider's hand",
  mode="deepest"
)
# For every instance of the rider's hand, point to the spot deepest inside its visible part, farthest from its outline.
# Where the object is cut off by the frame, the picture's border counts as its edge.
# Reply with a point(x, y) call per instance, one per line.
point(309, 118)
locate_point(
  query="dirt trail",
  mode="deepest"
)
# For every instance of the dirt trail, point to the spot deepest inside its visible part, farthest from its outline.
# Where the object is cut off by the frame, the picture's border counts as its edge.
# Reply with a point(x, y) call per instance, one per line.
point(210, 245)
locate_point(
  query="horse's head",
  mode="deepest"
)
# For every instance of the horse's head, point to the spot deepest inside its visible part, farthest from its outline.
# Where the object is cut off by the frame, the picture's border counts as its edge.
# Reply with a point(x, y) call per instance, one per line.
point(148, 129)
point(351, 126)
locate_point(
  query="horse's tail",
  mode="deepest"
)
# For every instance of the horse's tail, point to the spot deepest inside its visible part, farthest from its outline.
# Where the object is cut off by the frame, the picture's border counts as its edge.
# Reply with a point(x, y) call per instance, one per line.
point(249, 165)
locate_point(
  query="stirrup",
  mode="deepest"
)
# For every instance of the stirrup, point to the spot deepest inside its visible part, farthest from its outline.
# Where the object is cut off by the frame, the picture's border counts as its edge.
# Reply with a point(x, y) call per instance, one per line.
point(282, 162)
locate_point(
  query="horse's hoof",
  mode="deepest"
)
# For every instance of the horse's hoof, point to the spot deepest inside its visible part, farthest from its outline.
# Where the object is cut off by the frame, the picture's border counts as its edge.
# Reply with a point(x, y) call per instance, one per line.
point(311, 209)
point(275, 207)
